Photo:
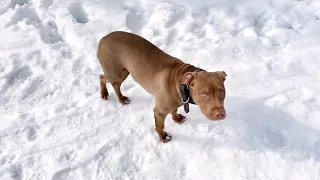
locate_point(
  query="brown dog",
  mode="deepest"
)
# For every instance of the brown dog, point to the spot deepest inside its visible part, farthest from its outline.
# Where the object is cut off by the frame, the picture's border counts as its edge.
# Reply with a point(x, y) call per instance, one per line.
point(172, 82)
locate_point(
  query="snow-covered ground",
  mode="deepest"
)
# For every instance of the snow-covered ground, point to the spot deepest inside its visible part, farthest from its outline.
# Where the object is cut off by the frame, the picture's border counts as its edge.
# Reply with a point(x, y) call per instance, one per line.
point(54, 126)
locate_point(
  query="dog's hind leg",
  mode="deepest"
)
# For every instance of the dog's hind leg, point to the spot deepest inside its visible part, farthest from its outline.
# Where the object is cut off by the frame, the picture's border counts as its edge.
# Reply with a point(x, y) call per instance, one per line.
point(103, 87)
point(117, 85)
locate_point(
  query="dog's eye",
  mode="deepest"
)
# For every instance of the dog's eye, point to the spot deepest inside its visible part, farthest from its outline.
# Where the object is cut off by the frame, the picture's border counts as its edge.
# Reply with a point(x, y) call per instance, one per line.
point(203, 94)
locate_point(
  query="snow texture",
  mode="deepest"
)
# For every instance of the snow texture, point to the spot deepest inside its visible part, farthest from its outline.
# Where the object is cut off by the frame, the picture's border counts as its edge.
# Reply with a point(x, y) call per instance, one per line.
point(54, 125)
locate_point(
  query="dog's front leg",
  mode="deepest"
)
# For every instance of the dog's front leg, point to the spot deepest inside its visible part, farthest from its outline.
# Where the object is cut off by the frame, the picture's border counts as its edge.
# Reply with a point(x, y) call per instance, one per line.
point(159, 118)
point(178, 118)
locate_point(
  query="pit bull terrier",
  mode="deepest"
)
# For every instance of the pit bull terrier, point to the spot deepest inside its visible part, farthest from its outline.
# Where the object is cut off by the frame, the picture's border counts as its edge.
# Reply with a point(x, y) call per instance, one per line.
point(172, 82)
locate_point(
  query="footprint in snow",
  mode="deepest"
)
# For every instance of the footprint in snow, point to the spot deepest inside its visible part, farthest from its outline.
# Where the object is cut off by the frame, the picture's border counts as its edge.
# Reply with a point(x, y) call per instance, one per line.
point(78, 13)
point(46, 3)
point(66, 158)
point(3, 161)
point(7, 159)
point(67, 173)
point(175, 15)
point(16, 172)
point(135, 21)
point(32, 87)
point(77, 67)
point(11, 5)
point(49, 33)
point(197, 29)
point(24, 13)
point(17, 76)
point(171, 37)
point(31, 134)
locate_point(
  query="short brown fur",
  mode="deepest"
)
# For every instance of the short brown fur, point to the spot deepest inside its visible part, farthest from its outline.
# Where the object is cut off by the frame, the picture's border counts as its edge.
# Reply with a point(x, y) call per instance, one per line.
point(121, 53)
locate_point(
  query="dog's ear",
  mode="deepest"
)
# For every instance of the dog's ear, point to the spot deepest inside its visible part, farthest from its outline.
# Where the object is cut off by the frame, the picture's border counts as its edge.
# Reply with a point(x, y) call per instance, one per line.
point(222, 74)
point(187, 78)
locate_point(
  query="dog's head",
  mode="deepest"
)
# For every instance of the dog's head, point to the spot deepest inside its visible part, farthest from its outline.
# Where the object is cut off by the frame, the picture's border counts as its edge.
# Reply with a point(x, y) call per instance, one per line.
point(207, 91)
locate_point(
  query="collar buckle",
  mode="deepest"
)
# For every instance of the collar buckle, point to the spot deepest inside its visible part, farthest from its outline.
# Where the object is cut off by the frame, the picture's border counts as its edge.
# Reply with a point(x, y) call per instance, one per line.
point(186, 98)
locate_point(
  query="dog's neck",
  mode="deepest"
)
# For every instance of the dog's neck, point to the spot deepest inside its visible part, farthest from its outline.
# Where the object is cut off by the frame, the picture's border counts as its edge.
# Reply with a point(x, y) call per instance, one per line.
point(184, 89)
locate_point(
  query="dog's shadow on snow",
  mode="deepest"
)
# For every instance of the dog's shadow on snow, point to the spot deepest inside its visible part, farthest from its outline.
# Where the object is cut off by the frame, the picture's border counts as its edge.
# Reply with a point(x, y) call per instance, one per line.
point(257, 127)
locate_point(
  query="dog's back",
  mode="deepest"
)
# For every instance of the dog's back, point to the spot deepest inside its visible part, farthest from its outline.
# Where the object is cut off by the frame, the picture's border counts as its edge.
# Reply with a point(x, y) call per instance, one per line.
point(143, 60)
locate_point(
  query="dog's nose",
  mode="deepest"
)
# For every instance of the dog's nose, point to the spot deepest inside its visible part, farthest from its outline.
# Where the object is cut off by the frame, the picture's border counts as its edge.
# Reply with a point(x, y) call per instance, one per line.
point(219, 114)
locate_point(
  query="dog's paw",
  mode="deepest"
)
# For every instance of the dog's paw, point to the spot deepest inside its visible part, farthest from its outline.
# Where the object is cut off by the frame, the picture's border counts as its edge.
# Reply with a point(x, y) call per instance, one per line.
point(179, 118)
point(125, 100)
point(104, 95)
point(166, 138)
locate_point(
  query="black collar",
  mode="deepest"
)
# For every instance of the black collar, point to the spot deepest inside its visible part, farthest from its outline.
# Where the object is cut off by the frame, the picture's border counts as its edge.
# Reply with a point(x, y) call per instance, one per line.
point(186, 97)
point(185, 91)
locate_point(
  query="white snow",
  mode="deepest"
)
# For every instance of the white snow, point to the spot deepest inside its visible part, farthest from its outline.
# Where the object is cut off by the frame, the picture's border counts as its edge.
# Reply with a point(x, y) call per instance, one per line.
point(54, 125)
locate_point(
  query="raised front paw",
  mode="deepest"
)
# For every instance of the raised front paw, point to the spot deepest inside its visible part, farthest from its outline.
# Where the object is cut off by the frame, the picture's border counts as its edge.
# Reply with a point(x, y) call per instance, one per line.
point(179, 118)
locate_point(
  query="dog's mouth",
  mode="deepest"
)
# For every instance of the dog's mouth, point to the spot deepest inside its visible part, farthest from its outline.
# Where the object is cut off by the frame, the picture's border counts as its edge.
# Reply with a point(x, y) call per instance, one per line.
point(215, 119)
